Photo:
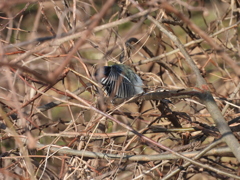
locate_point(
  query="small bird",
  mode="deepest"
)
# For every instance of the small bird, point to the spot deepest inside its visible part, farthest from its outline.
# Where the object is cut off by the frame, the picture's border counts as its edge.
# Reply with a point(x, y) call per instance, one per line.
point(120, 81)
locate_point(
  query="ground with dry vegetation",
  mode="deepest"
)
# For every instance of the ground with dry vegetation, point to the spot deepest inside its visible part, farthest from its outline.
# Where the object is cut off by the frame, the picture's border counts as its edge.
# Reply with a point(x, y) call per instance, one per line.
point(58, 123)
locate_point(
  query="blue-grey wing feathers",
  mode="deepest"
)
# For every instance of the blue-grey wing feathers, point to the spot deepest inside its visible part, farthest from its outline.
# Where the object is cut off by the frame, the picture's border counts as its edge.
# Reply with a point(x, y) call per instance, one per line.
point(120, 81)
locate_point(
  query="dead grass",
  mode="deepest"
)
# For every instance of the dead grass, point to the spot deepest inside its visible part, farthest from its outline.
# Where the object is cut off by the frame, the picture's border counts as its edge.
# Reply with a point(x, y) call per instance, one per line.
point(55, 124)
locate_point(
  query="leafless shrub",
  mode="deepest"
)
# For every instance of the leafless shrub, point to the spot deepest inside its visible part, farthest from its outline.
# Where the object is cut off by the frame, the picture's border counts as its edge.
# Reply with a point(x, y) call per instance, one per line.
point(57, 123)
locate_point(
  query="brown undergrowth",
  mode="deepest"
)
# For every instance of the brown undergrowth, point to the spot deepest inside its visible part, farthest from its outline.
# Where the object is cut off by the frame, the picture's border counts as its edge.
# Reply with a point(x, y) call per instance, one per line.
point(58, 123)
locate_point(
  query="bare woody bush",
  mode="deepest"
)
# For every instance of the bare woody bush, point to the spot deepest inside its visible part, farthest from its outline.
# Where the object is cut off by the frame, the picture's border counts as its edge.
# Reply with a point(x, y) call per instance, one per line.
point(58, 123)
